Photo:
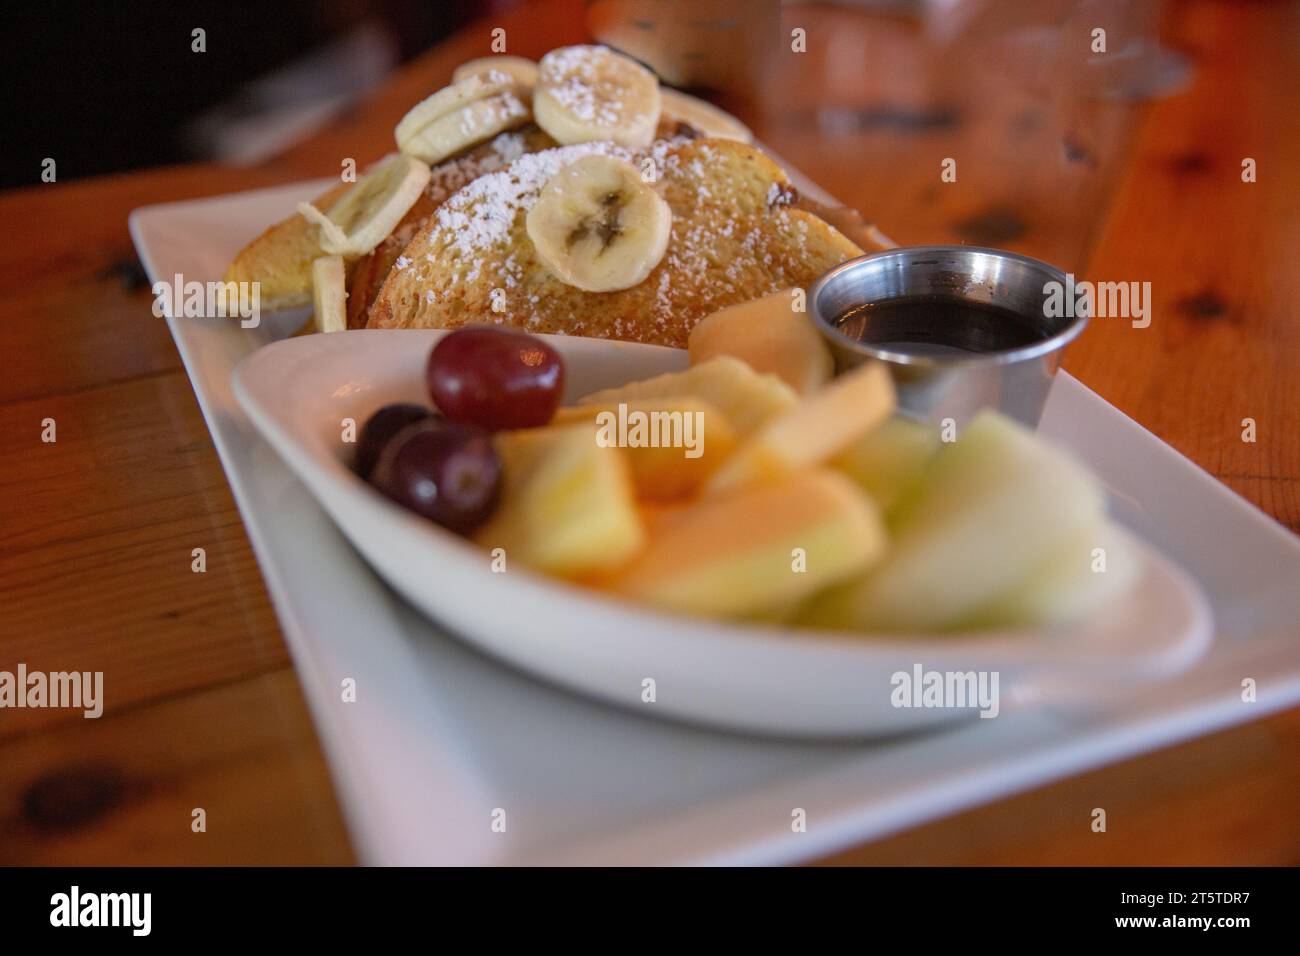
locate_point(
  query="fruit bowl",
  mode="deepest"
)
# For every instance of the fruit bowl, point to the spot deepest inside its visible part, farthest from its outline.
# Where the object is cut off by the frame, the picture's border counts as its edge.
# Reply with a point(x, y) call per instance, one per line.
point(300, 392)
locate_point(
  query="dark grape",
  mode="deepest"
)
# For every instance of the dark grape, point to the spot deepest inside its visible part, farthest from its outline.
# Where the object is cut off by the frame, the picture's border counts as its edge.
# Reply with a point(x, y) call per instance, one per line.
point(380, 427)
point(445, 471)
point(495, 378)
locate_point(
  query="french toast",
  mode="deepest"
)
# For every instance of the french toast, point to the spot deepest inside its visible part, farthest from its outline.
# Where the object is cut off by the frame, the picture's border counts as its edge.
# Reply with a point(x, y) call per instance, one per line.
point(280, 258)
point(371, 270)
point(737, 234)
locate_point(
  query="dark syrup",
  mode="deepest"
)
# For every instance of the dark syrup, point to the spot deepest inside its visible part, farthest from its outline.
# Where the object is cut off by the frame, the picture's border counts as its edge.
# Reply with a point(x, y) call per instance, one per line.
point(938, 325)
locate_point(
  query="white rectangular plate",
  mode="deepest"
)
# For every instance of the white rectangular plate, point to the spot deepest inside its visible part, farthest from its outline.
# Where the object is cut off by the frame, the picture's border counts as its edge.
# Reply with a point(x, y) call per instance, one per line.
point(441, 739)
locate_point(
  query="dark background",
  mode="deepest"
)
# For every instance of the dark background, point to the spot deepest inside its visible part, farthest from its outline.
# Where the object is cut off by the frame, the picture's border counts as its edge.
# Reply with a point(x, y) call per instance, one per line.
point(109, 86)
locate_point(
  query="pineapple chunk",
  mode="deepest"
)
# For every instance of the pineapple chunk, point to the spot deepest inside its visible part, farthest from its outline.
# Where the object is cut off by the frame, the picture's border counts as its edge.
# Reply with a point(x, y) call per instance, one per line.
point(745, 397)
point(818, 428)
point(993, 506)
point(889, 461)
point(769, 336)
point(693, 436)
point(567, 506)
point(739, 556)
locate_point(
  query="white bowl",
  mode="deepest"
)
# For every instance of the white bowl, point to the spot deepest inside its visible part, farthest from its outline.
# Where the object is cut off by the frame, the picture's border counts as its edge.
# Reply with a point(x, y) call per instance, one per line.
point(766, 679)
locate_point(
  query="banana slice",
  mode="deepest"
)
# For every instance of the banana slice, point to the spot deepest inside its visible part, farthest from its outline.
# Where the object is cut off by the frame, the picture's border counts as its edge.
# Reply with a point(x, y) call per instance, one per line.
point(470, 111)
point(521, 69)
point(586, 93)
point(472, 124)
point(328, 294)
point(598, 226)
point(369, 211)
point(704, 116)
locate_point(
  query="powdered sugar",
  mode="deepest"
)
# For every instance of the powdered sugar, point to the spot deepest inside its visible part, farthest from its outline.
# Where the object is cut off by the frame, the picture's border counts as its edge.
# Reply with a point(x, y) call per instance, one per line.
point(483, 213)
point(504, 109)
point(725, 244)
point(509, 147)
point(496, 77)
point(589, 81)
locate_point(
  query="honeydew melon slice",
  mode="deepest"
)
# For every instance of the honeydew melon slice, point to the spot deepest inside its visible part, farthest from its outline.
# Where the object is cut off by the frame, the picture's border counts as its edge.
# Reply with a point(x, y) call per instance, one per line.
point(994, 506)
point(1089, 569)
point(889, 461)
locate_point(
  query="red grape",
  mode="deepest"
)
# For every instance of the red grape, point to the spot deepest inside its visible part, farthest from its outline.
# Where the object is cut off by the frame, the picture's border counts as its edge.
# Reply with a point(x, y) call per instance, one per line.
point(495, 378)
point(380, 427)
point(445, 471)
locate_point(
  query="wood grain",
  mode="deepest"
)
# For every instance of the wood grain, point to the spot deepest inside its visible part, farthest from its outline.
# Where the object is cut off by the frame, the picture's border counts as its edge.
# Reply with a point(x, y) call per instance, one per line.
point(96, 530)
point(123, 790)
point(99, 529)
point(1220, 254)
point(1225, 800)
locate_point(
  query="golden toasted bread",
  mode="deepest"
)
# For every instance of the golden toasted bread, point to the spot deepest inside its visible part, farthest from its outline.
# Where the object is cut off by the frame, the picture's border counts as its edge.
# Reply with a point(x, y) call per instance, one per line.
point(368, 275)
point(280, 258)
point(736, 235)
point(371, 270)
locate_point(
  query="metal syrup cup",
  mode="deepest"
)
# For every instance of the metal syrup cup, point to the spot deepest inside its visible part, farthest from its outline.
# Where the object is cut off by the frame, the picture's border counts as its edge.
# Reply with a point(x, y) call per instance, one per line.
point(1015, 381)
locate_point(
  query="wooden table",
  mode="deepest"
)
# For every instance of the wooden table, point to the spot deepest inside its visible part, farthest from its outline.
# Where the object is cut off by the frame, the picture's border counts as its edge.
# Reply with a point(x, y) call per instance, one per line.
point(96, 530)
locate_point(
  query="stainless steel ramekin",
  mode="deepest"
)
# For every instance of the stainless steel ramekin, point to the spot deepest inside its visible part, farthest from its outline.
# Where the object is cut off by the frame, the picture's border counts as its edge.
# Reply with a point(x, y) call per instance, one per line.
point(1014, 381)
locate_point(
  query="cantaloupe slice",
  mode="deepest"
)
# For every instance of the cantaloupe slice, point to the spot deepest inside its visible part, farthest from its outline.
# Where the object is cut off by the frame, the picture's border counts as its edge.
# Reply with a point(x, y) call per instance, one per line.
point(694, 439)
point(770, 336)
point(742, 555)
point(567, 506)
point(994, 506)
point(747, 398)
point(820, 427)
point(889, 460)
